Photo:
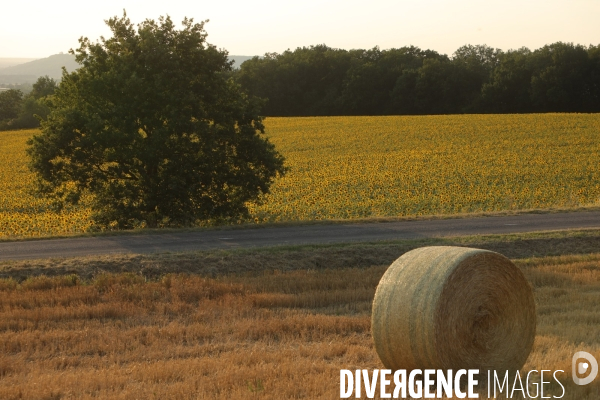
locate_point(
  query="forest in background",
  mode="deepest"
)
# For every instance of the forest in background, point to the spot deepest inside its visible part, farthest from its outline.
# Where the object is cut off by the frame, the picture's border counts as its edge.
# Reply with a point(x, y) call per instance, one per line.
point(319, 80)
point(324, 81)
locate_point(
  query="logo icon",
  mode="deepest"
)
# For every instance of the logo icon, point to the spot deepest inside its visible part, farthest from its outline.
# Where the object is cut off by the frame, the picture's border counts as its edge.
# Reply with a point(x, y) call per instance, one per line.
point(582, 367)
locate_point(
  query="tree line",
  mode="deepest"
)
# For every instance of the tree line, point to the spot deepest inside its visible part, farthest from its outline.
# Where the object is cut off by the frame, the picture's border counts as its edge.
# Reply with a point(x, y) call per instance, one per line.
point(319, 80)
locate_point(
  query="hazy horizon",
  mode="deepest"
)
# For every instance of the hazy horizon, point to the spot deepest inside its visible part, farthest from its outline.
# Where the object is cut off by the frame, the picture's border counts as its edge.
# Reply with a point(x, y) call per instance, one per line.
point(24, 60)
point(244, 28)
point(6, 62)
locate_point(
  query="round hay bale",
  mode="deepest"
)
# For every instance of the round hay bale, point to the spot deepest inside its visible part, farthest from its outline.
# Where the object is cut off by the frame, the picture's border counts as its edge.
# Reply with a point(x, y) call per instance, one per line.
point(453, 308)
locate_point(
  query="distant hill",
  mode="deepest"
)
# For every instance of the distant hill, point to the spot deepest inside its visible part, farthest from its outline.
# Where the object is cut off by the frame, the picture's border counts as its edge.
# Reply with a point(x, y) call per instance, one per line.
point(51, 66)
point(29, 72)
point(238, 60)
point(9, 62)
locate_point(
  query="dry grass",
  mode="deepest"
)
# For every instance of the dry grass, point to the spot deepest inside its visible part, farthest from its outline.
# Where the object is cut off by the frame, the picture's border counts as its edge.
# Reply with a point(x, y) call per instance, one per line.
point(269, 335)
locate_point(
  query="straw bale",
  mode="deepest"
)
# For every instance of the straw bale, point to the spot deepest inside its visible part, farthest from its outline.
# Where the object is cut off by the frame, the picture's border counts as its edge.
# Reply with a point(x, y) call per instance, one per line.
point(446, 307)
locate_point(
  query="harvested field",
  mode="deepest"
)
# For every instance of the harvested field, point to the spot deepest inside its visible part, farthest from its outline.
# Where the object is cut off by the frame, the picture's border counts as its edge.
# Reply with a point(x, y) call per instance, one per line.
point(270, 335)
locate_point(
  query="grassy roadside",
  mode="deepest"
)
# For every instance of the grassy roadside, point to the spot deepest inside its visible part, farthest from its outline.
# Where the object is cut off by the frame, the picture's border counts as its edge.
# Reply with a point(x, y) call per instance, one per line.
point(216, 263)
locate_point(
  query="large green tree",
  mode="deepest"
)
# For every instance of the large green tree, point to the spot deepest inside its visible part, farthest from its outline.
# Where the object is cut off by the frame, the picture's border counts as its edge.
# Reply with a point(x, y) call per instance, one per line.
point(150, 130)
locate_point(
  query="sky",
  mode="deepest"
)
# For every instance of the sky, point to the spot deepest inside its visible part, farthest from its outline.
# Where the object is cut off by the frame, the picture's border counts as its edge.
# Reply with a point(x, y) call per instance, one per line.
point(37, 29)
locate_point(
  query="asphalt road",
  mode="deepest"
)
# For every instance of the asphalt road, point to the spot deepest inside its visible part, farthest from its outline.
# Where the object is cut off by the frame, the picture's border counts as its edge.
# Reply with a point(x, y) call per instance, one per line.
point(295, 235)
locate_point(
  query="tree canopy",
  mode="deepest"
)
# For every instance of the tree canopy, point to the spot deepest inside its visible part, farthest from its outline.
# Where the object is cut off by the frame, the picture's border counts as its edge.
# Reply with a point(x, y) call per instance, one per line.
point(151, 130)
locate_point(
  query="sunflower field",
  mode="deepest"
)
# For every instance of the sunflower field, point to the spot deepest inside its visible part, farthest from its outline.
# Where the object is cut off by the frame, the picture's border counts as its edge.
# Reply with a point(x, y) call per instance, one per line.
point(357, 167)
point(361, 167)
point(21, 213)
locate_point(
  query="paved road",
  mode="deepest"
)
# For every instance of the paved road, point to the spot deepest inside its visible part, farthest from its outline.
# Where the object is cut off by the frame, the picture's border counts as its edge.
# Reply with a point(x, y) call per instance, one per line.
point(295, 235)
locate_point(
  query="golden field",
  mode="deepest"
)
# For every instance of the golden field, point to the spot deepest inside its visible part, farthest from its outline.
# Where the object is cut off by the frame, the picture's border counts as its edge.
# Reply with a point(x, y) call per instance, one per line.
point(22, 214)
point(357, 167)
point(361, 167)
point(270, 335)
